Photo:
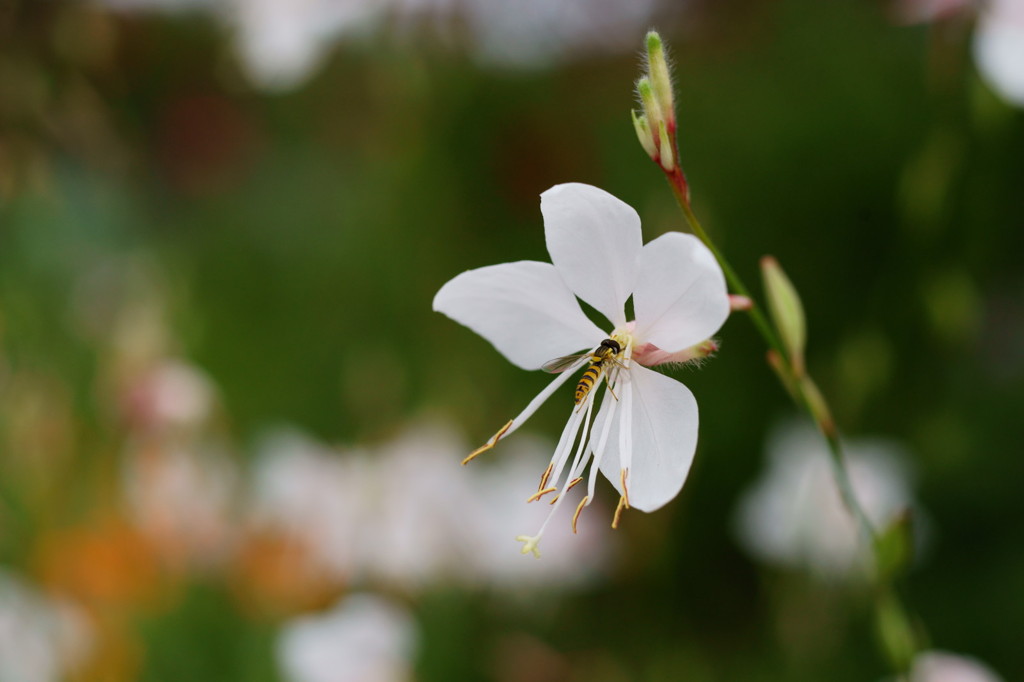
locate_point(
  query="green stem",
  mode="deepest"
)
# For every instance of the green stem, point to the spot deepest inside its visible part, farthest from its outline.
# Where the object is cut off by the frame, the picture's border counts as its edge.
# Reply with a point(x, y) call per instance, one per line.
point(806, 395)
point(679, 188)
point(677, 184)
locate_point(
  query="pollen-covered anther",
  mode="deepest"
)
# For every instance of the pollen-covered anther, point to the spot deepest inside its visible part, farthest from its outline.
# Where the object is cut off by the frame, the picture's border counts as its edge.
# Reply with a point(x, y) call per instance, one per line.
point(579, 510)
point(567, 489)
point(489, 444)
point(544, 478)
point(540, 493)
point(618, 511)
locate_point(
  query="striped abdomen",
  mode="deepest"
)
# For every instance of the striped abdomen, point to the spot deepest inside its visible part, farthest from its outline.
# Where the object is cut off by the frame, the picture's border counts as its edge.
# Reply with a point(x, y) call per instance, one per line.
point(588, 380)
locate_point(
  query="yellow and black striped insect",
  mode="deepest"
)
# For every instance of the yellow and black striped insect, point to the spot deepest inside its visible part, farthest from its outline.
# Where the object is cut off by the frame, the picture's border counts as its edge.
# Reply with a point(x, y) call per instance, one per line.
point(601, 358)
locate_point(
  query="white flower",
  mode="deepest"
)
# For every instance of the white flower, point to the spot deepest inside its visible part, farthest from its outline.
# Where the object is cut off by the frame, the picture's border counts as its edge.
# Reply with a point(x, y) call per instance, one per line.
point(941, 666)
point(793, 515)
point(363, 639)
point(40, 639)
point(999, 48)
point(645, 432)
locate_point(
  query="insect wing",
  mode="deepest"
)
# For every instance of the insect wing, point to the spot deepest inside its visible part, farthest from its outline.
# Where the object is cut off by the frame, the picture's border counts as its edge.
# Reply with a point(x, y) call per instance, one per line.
point(563, 363)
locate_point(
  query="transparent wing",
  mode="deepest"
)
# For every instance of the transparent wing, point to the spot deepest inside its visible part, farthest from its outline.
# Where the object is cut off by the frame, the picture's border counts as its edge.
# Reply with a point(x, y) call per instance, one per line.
point(563, 363)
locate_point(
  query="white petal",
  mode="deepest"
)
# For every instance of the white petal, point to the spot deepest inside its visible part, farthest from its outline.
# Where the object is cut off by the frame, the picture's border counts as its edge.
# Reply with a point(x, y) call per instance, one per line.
point(664, 422)
point(680, 297)
point(523, 308)
point(594, 240)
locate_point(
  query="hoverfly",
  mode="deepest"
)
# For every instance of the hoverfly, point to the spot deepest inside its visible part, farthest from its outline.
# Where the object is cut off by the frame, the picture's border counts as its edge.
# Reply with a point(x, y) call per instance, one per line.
point(602, 356)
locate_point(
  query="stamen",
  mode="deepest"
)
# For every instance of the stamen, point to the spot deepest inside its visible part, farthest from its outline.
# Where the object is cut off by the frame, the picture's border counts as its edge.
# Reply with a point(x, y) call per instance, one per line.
point(625, 490)
point(618, 511)
point(598, 451)
point(541, 493)
point(544, 478)
point(626, 427)
point(489, 444)
point(565, 445)
point(579, 510)
point(609, 385)
point(567, 489)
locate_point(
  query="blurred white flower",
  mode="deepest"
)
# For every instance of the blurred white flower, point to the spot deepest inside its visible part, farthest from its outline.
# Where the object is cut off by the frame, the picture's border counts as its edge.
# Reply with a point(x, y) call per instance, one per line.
point(793, 515)
point(534, 33)
point(311, 494)
point(282, 42)
point(499, 514)
point(434, 520)
point(999, 48)
point(41, 640)
point(644, 435)
point(182, 500)
point(921, 11)
point(941, 666)
point(998, 41)
point(406, 514)
point(364, 638)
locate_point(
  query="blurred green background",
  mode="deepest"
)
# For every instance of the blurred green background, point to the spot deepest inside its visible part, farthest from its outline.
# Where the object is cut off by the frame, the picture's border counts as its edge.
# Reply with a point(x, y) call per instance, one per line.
point(158, 201)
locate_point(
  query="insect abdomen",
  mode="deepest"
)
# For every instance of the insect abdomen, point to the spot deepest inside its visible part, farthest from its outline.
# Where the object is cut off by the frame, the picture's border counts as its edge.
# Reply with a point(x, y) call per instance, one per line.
point(587, 381)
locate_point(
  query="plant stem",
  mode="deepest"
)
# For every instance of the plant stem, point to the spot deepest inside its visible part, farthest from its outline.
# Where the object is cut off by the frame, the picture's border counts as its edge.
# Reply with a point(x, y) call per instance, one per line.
point(677, 184)
point(807, 396)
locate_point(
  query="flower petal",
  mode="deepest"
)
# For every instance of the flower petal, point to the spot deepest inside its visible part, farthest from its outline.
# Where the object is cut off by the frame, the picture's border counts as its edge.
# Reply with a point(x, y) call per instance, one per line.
point(664, 439)
point(594, 240)
point(680, 297)
point(524, 309)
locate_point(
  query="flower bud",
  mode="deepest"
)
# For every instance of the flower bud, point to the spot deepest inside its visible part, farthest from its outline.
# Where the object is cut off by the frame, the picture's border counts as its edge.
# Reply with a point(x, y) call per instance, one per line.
point(661, 81)
point(643, 133)
point(652, 108)
point(787, 312)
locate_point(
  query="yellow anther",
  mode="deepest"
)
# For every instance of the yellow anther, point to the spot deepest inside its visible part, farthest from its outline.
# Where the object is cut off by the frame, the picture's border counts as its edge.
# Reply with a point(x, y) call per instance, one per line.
point(625, 491)
point(618, 511)
point(540, 493)
point(544, 478)
point(489, 444)
point(579, 510)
